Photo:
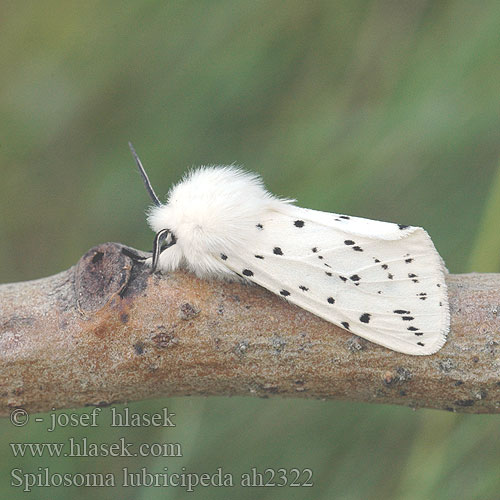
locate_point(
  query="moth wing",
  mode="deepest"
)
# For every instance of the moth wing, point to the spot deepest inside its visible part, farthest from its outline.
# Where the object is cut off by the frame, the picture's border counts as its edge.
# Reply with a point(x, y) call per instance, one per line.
point(382, 281)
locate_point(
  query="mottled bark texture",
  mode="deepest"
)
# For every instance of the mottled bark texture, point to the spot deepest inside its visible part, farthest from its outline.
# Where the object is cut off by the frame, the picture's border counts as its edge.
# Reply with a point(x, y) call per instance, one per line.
point(107, 331)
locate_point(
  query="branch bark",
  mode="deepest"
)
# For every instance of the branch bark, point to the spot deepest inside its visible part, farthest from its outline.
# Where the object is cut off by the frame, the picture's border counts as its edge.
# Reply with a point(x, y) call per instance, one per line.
point(107, 331)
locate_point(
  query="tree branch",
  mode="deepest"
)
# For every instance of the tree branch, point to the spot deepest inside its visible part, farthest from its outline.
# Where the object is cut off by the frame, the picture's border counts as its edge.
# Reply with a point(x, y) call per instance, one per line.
point(107, 331)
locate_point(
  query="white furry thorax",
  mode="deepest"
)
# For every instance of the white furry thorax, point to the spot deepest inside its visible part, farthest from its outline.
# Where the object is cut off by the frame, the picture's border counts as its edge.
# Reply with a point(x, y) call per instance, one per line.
point(212, 210)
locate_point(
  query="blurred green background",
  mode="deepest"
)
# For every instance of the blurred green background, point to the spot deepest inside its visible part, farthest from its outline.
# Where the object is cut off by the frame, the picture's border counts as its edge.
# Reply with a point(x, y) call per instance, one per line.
point(383, 109)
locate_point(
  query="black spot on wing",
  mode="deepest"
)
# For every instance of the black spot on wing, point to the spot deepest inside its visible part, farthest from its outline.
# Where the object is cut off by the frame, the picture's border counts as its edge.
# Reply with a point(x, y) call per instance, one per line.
point(299, 223)
point(401, 311)
point(223, 256)
point(247, 272)
point(328, 273)
point(343, 278)
point(315, 249)
point(420, 344)
point(259, 226)
point(259, 257)
point(304, 288)
point(407, 318)
point(357, 249)
point(345, 324)
point(285, 293)
point(403, 226)
point(365, 318)
point(385, 266)
point(349, 242)
point(354, 277)
point(346, 217)
point(408, 261)
point(412, 328)
point(277, 251)
point(331, 300)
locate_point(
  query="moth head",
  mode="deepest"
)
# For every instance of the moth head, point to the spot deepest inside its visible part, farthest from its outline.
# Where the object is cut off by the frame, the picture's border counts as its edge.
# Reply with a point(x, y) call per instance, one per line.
point(164, 238)
point(212, 211)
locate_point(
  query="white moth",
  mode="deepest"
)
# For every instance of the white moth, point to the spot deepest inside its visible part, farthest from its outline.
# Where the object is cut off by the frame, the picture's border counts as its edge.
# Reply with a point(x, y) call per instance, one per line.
point(384, 282)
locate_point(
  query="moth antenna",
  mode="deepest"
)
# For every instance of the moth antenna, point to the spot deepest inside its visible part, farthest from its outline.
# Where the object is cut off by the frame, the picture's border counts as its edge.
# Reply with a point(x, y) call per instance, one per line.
point(145, 177)
point(158, 248)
